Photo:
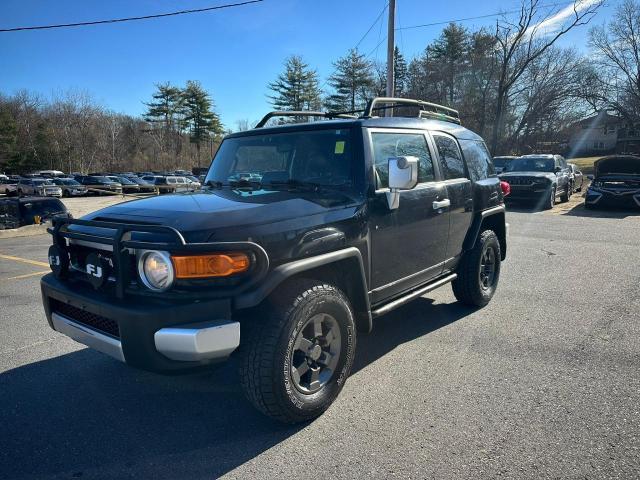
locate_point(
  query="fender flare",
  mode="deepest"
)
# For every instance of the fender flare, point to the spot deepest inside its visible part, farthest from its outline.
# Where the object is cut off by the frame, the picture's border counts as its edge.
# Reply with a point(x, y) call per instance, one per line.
point(474, 230)
point(358, 297)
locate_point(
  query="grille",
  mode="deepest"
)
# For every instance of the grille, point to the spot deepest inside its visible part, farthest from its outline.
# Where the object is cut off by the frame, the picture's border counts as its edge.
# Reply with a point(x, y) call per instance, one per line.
point(97, 322)
point(519, 181)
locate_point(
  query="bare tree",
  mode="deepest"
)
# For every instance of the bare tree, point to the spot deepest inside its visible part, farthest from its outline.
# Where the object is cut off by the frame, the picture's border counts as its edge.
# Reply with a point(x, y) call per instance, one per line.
point(522, 42)
point(617, 53)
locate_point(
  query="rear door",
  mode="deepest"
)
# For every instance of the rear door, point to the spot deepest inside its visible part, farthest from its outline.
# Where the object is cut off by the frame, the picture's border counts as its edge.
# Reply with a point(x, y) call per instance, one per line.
point(459, 191)
point(408, 244)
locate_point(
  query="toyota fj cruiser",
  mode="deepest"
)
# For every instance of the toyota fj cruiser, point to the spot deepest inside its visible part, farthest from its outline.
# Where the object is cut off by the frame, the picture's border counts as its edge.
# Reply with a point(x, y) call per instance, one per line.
point(302, 235)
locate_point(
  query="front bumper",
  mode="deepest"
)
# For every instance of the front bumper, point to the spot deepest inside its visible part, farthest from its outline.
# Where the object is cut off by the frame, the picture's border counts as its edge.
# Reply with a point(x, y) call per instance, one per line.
point(153, 334)
point(624, 199)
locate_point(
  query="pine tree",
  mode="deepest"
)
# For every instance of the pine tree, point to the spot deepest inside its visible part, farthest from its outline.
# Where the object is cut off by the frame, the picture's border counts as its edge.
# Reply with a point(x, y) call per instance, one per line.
point(448, 52)
point(8, 138)
point(296, 88)
point(165, 106)
point(352, 82)
point(199, 118)
point(400, 73)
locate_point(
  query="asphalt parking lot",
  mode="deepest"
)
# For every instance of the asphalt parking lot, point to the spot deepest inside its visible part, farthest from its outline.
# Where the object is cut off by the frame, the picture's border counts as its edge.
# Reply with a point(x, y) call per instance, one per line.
point(544, 382)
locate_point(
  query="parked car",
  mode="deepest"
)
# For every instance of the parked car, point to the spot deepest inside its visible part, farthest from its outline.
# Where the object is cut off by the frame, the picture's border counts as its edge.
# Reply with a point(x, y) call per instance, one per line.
point(37, 187)
point(50, 173)
point(143, 185)
point(128, 186)
point(193, 182)
point(99, 184)
point(70, 187)
point(616, 182)
point(499, 163)
point(8, 186)
point(538, 178)
point(577, 178)
point(18, 212)
point(168, 184)
point(349, 219)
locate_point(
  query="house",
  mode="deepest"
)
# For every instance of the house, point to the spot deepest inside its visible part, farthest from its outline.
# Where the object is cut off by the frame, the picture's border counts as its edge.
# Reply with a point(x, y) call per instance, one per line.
point(601, 134)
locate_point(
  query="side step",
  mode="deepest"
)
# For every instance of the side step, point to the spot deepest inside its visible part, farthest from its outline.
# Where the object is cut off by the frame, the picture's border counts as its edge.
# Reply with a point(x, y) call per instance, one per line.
point(398, 302)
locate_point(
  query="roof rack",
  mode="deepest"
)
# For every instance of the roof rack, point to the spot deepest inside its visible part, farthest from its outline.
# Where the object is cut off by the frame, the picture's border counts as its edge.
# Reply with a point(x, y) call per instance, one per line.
point(301, 113)
point(427, 110)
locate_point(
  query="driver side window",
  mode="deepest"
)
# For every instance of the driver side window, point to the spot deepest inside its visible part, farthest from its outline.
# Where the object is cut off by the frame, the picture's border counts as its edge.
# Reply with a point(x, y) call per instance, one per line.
point(387, 145)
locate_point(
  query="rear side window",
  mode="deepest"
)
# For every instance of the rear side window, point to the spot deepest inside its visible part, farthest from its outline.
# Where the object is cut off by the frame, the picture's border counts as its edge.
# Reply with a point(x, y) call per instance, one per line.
point(388, 145)
point(450, 157)
point(478, 159)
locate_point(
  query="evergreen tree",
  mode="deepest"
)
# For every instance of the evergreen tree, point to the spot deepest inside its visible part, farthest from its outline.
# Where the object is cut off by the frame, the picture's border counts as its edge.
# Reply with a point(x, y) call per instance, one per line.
point(8, 138)
point(352, 82)
point(400, 73)
point(296, 88)
point(199, 118)
point(448, 53)
point(164, 107)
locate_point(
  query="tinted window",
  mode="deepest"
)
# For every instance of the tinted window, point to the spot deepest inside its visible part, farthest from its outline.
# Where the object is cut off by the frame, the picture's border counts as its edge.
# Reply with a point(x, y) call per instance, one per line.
point(478, 159)
point(389, 145)
point(450, 158)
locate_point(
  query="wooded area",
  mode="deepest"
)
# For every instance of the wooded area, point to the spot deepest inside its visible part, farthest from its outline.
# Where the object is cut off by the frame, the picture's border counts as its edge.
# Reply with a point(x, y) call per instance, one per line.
point(512, 84)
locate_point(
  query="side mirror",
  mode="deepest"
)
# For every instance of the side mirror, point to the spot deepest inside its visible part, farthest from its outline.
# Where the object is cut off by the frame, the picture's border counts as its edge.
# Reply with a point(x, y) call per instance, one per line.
point(590, 177)
point(557, 169)
point(403, 175)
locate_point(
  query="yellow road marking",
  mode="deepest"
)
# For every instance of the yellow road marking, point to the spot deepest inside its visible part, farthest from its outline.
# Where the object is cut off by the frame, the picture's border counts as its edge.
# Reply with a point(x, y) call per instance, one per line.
point(24, 260)
point(27, 275)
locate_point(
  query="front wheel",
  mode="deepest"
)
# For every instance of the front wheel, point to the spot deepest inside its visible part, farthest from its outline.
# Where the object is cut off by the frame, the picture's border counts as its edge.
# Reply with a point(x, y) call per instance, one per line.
point(295, 362)
point(551, 199)
point(566, 195)
point(479, 271)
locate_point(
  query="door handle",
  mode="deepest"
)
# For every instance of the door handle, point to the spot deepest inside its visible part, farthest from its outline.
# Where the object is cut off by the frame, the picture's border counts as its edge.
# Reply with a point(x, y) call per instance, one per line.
point(441, 204)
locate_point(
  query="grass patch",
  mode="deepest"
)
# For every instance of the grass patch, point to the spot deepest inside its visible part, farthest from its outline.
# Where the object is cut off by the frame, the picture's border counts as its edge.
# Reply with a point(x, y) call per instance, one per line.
point(584, 163)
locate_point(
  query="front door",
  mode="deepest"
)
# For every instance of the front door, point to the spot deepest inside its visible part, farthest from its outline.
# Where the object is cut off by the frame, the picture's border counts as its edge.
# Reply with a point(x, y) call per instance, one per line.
point(408, 244)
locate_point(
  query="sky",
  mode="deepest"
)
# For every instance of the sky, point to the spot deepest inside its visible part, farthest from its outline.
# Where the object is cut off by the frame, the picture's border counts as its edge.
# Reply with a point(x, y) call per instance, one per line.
point(234, 53)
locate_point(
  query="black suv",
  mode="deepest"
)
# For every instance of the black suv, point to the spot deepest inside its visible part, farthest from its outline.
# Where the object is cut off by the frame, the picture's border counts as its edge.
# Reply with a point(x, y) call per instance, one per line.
point(301, 236)
point(539, 178)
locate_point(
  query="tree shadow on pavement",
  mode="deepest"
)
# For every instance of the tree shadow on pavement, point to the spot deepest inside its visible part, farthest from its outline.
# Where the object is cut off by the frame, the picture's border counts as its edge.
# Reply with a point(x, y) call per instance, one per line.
point(83, 415)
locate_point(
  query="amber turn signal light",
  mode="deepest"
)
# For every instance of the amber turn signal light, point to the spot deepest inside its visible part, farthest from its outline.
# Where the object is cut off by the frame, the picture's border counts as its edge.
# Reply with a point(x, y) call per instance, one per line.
point(210, 265)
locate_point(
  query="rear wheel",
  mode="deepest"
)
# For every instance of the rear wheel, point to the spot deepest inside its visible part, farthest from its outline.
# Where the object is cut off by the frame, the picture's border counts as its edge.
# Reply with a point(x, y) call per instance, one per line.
point(479, 271)
point(295, 362)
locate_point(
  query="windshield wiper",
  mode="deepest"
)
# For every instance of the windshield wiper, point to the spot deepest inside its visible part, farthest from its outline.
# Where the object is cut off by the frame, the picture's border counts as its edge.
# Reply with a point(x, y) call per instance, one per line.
point(305, 185)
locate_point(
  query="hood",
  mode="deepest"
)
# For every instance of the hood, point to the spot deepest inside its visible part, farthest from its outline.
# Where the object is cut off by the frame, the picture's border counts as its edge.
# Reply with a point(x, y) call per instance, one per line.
point(207, 211)
point(619, 164)
point(549, 175)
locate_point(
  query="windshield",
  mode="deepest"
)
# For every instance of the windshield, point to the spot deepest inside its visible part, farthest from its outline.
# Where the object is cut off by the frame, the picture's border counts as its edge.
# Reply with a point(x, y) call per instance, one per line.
point(530, 164)
point(319, 157)
point(42, 182)
point(123, 180)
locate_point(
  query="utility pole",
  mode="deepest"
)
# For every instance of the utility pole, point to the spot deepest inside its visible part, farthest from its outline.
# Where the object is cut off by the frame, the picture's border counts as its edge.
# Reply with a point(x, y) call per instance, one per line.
point(391, 45)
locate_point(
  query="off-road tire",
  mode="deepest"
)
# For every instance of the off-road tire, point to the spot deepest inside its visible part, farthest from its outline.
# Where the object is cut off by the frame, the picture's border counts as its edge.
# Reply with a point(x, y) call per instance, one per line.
point(267, 344)
point(468, 288)
point(567, 193)
point(551, 199)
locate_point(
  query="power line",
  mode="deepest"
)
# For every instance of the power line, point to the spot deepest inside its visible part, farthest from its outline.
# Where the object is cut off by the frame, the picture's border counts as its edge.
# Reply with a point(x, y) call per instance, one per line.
point(361, 39)
point(497, 14)
point(372, 25)
point(444, 22)
point(130, 19)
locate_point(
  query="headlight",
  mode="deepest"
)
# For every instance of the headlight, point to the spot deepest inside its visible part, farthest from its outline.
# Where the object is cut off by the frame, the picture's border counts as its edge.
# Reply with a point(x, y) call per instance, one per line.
point(156, 270)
